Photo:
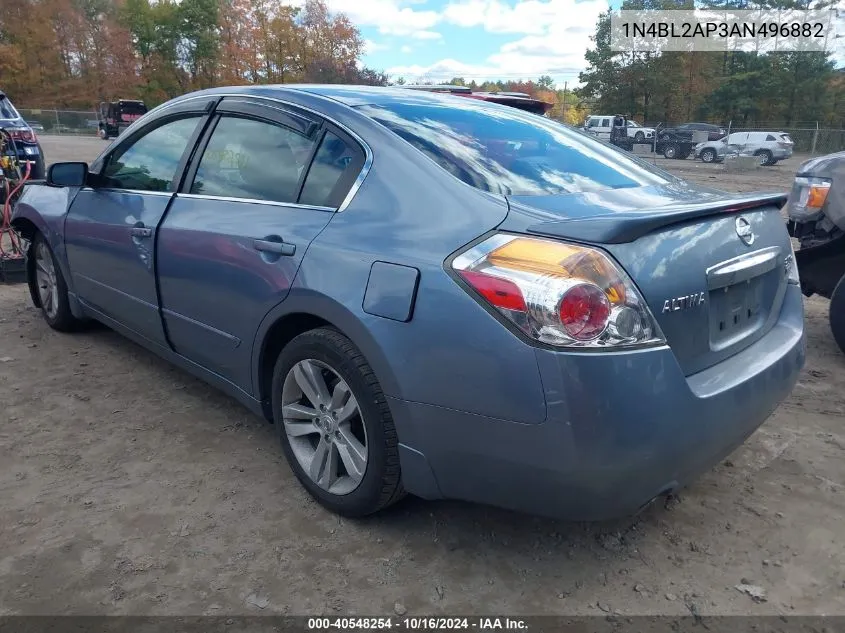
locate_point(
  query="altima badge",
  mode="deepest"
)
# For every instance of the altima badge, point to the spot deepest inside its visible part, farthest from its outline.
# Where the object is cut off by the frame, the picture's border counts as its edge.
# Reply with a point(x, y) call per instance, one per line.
point(682, 303)
point(743, 229)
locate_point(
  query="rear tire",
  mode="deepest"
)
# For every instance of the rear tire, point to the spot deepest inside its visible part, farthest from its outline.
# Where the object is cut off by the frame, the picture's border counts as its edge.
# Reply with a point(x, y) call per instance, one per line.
point(836, 314)
point(103, 134)
point(343, 410)
point(670, 151)
point(49, 287)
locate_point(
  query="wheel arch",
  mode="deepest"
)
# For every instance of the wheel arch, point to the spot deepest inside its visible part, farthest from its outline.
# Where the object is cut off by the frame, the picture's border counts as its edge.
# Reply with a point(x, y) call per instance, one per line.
point(28, 230)
point(301, 311)
point(29, 222)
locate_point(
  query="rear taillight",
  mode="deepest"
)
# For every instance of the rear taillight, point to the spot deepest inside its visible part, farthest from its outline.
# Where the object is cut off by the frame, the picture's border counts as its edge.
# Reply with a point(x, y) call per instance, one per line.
point(561, 294)
point(22, 134)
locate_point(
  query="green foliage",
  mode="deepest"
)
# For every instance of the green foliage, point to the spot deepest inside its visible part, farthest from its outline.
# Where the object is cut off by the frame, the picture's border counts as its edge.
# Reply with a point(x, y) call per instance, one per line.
point(742, 87)
point(75, 53)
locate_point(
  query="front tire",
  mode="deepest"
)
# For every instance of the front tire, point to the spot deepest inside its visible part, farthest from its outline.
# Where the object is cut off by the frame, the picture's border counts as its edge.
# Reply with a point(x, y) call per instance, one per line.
point(836, 314)
point(708, 156)
point(670, 151)
point(334, 424)
point(50, 287)
point(639, 137)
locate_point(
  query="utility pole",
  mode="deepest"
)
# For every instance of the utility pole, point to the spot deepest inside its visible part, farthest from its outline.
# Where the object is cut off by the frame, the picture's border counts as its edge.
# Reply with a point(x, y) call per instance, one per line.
point(565, 86)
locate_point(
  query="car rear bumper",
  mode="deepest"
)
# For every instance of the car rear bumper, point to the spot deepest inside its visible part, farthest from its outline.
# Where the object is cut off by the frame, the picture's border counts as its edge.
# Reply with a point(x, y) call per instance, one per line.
point(622, 428)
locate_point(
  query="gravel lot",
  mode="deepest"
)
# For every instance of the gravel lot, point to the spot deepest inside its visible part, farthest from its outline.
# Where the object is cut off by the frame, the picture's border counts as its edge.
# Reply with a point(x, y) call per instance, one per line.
point(128, 487)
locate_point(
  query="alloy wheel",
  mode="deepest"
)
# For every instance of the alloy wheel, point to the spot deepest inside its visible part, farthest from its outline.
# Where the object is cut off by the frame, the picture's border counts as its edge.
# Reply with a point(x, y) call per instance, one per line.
point(45, 276)
point(325, 427)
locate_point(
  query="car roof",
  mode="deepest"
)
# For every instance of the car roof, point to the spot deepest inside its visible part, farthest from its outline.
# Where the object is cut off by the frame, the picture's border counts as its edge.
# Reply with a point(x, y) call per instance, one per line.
point(350, 95)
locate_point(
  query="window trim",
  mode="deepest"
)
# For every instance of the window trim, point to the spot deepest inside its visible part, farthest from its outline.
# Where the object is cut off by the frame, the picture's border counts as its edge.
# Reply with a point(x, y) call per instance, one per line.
point(219, 96)
point(274, 203)
point(187, 153)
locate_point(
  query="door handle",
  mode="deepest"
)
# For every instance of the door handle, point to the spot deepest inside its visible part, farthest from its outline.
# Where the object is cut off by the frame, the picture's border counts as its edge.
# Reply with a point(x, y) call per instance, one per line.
point(140, 231)
point(278, 248)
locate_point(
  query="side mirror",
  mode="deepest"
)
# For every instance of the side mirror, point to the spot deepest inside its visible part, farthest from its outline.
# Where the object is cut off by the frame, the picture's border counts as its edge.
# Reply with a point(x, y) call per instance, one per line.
point(67, 174)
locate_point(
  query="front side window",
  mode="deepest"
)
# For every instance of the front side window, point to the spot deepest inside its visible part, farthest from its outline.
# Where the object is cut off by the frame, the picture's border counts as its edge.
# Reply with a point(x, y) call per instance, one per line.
point(151, 162)
point(252, 159)
point(507, 151)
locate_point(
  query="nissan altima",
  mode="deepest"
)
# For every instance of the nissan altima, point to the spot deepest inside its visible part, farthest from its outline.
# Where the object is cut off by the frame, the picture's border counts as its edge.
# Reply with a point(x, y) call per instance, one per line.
point(429, 294)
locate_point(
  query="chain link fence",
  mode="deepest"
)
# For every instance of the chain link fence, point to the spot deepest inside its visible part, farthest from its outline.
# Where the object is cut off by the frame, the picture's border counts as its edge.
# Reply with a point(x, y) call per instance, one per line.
point(809, 139)
point(65, 122)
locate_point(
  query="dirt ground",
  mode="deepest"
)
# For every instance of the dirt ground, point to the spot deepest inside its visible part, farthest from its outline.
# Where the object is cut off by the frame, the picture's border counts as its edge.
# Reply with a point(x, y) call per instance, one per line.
point(128, 487)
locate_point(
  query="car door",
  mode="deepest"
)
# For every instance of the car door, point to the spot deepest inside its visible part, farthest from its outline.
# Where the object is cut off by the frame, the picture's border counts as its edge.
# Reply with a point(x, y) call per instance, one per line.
point(736, 142)
point(233, 239)
point(110, 228)
point(603, 130)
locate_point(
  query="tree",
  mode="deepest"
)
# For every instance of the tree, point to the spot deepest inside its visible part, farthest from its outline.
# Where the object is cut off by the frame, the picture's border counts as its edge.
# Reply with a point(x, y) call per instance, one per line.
point(546, 82)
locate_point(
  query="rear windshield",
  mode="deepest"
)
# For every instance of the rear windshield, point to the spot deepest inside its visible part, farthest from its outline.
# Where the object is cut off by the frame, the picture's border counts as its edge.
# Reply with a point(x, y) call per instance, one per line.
point(7, 110)
point(507, 151)
point(133, 108)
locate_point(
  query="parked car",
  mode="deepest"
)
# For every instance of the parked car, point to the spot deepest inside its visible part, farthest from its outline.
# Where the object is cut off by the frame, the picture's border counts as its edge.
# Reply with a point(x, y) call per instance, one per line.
point(714, 132)
point(768, 147)
point(26, 142)
point(816, 211)
point(673, 144)
point(519, 100)
point(601, 126)
point(35, 126)
point(115, 116)
point(639, 133)
point(441, 296)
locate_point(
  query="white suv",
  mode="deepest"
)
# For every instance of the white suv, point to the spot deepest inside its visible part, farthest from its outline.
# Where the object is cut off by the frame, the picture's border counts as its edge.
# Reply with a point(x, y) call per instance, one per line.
point(601, 124)
point(768, 147)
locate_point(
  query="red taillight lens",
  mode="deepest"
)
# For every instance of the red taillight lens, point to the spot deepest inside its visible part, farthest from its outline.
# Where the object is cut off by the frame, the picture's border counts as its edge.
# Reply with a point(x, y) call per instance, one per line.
point(22, 134)
point(558, 293)
point(584, 312)
point(501, 293)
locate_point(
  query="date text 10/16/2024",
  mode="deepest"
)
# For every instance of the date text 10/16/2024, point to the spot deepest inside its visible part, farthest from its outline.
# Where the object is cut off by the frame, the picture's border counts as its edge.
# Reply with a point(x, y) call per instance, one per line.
point(417, 624)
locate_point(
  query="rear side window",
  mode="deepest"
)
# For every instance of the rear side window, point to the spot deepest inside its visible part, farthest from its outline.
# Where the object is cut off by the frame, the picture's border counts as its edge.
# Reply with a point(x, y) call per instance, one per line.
point(770, 137)
point(511, 152)
point(605, 122)
point(328, 178)
point(254, 160)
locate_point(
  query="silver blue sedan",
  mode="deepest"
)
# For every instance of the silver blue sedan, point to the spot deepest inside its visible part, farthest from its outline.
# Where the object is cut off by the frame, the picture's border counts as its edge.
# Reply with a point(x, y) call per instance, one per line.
point(431, 294)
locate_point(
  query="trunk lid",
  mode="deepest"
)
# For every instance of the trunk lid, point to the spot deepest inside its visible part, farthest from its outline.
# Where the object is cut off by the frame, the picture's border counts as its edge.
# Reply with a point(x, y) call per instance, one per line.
point(711, 266)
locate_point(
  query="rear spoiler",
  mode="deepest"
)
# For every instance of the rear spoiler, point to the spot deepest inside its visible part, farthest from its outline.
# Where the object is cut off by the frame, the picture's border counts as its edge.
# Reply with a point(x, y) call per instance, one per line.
point(624, 227)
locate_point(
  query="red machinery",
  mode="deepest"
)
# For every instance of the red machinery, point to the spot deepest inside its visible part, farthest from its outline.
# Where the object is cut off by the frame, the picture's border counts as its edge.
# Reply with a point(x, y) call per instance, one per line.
point(13, 174)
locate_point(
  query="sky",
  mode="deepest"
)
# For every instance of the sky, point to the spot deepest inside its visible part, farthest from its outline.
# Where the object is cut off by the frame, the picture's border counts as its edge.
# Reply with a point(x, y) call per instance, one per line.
point(435, 40)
